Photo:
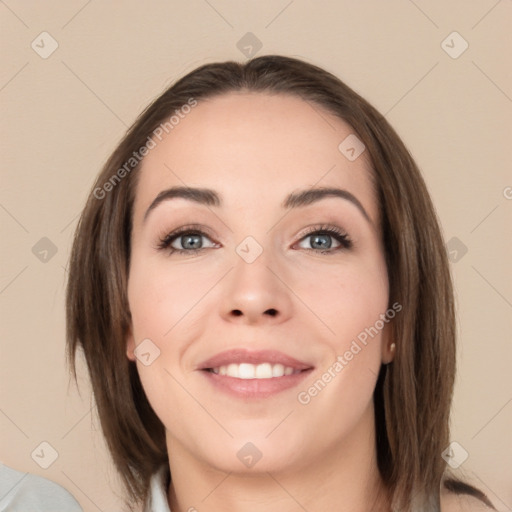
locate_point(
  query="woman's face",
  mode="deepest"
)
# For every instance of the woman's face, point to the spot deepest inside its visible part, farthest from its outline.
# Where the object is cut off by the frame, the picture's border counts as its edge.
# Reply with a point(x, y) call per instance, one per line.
point(259, 333)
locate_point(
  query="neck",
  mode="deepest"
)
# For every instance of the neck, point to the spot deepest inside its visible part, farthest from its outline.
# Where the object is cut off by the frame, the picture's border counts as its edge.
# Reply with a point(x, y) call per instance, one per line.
point(345, 478)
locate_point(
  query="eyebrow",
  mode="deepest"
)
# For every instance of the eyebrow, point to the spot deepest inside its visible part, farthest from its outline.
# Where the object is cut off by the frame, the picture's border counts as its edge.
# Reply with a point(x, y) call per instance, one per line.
point(294, 200)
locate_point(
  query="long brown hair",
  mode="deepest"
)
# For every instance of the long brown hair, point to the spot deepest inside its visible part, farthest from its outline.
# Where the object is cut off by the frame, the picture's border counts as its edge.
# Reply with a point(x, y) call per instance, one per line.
point(413, 394)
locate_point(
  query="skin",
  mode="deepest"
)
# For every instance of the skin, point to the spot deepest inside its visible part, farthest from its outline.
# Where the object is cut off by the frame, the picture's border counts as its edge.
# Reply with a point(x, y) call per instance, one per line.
point(254, 149)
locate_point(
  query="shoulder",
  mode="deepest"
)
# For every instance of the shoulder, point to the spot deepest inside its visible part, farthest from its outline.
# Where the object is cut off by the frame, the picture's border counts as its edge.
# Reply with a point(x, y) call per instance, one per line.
point(24, 491)
point(453, 502)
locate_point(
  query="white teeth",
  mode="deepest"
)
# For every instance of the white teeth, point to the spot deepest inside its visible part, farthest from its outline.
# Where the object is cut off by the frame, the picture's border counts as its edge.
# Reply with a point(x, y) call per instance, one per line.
point(252, 371)
point(246, 371)
point(232, 370)
point(277, 370)
point(264, 371)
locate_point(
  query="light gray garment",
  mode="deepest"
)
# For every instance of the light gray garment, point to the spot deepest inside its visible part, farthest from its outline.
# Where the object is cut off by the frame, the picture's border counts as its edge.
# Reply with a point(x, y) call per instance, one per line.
point(24, 492)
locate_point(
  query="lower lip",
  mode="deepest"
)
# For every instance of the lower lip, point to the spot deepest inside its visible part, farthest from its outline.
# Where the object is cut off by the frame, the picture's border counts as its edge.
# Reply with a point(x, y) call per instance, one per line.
point(255, 388)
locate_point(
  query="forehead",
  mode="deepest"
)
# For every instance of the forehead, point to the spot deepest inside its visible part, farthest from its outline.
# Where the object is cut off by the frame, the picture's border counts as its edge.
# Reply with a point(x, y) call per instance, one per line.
point(255, 148)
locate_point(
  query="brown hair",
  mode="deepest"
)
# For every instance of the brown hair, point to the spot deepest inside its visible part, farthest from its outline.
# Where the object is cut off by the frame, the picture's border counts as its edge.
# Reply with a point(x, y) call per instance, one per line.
point(413, 394)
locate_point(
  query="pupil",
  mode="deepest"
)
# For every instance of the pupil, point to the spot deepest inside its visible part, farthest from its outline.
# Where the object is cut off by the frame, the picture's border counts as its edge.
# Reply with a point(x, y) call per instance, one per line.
point(323, 241)
point(191, 241)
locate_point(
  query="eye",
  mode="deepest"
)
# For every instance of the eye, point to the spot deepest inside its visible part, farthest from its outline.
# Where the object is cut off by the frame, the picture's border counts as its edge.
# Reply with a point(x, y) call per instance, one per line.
point(188, 239)
point(320, 239)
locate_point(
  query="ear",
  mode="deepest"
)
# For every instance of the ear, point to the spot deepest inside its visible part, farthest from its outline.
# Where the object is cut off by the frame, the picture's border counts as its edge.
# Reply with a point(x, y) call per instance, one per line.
point(130, 344)
point(388, 344)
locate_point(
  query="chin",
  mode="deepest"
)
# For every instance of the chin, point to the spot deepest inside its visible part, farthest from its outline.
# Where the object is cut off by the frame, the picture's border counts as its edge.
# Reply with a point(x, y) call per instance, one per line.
point(252, 455)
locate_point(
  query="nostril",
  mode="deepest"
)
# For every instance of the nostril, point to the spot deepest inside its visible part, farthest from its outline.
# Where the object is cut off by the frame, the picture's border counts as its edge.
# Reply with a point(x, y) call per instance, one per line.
point(271, 312)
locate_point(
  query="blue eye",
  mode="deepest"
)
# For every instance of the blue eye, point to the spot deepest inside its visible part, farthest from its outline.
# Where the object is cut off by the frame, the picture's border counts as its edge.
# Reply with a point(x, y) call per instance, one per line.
point(184, 240)
point(320, 240)
point(189, 240)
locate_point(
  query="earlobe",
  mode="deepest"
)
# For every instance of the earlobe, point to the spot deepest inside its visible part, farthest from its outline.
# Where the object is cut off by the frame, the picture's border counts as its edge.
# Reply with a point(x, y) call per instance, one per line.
point(130, 345)
point(391, 352)
point(388, 352)
point(388, 345)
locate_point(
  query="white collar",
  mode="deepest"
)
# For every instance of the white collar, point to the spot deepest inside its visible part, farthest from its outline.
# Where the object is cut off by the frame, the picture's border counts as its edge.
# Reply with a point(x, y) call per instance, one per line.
point(158, 488)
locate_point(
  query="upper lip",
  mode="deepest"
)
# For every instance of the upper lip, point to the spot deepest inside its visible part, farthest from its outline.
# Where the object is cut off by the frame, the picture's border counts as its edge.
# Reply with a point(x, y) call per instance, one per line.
point(238, 356)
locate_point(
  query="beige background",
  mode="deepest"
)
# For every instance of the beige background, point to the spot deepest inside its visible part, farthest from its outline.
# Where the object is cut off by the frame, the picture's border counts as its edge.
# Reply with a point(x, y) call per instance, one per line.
point(62, 116)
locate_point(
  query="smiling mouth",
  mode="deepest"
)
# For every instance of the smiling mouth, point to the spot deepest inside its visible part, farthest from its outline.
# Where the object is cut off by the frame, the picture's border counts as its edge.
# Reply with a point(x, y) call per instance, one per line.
point(247, 371)
point(253, 374)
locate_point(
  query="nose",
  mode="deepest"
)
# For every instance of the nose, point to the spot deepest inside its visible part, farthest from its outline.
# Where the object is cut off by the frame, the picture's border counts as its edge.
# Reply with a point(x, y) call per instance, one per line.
point(256, 293)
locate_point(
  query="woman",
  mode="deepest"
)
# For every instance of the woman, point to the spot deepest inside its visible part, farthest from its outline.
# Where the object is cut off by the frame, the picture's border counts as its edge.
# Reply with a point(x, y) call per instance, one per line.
point(261, 290)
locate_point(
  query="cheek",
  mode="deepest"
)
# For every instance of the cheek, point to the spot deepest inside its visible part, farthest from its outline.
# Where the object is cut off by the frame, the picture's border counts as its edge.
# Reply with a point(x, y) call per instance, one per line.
point(347, 300)
point(351, 304)
point(162, 298)
point(164, 305)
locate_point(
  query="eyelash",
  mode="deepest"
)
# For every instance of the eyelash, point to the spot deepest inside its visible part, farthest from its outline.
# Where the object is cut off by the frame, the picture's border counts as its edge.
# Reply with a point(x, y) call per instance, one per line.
point(339, 235)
